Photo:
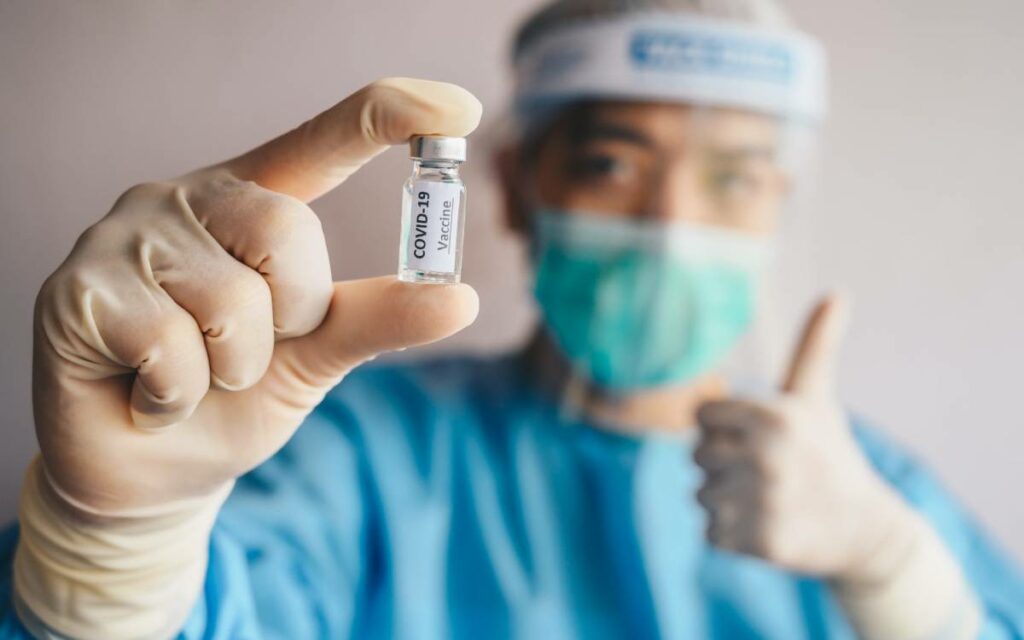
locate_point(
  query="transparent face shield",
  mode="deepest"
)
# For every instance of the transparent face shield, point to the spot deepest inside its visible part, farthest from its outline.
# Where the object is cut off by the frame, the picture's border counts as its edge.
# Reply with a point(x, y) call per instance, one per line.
point(653, 232)
point(657, 202)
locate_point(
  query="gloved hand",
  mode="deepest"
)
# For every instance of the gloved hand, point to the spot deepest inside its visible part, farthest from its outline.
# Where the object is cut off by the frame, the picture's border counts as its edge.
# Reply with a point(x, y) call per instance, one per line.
point(193, 328)
point(786, 482)
point(785, 479)
point(196, 325)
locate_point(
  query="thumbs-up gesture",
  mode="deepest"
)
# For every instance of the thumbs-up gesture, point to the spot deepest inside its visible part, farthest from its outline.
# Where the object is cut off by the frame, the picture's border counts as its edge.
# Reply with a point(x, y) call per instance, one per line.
point(191, 330)
point(785, 480)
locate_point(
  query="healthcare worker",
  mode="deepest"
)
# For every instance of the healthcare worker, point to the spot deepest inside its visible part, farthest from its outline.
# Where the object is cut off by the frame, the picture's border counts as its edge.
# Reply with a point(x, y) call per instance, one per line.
point(607, 481)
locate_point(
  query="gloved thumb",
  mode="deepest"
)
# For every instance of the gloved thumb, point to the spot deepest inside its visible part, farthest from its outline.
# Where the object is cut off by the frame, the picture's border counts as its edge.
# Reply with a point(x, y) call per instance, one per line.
point(321, 153)
point(815, 363)
point(366, 318)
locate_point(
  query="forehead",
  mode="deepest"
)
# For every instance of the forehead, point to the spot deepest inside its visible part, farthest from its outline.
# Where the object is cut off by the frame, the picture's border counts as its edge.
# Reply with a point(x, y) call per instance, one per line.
point(670, 125)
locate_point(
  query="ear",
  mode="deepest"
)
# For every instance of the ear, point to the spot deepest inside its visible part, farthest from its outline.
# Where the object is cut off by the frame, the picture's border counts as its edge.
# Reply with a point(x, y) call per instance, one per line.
point(511, 174)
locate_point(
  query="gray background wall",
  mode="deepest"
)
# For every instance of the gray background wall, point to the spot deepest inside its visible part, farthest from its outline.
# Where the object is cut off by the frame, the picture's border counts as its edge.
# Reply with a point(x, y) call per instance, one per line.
point(918, 211)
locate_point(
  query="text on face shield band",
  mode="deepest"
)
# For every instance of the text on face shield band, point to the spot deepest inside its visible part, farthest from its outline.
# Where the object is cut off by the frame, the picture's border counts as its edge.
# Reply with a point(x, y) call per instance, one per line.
point(679, 58)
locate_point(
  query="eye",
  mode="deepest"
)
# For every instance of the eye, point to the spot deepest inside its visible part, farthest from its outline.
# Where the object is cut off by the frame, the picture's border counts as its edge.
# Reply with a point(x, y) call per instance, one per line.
point(735, 183)
point(599, 166)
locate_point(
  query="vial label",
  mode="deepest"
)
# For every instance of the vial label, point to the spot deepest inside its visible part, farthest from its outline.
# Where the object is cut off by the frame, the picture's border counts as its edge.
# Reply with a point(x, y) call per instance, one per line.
point(433, 223)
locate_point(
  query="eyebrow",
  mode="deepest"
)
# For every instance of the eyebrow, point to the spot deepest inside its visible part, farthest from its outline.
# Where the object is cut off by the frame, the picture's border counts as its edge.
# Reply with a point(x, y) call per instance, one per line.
point(750, 152)
point(588, 130)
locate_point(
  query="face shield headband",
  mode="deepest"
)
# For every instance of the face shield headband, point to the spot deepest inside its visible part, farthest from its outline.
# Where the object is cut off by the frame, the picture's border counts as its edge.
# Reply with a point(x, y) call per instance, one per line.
point(674, 57)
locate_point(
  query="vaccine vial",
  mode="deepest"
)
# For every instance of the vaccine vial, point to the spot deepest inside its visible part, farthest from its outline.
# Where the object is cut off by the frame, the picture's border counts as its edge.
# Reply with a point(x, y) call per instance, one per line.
point(433, 212)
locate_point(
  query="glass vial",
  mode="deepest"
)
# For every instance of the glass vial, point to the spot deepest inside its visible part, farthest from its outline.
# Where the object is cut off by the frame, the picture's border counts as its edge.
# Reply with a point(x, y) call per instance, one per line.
point(433, 212)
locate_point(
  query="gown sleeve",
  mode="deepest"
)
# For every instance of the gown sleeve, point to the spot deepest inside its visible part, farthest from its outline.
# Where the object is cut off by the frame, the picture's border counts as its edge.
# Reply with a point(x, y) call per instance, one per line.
point(997, 582)
point(290, 550)
point(10, 626)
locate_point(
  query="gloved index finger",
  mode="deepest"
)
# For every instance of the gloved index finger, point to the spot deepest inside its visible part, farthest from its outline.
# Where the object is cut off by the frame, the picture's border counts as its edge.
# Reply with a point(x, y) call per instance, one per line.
point(734, 417)
point(320, 154)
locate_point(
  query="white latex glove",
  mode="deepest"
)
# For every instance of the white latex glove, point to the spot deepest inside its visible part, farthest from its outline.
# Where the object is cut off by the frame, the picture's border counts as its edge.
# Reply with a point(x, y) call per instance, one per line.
point(186, 337)
point(786, 482)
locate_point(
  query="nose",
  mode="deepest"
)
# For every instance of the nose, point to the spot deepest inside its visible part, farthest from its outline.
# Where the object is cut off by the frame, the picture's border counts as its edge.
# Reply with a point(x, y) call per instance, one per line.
point(677, 196)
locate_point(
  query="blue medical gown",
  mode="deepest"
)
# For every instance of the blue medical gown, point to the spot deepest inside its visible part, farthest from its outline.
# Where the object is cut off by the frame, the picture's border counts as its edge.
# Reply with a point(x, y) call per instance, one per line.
point(448, 499)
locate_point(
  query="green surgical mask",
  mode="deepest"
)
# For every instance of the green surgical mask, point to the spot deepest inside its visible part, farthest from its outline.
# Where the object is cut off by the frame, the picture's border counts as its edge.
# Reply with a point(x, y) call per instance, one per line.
point(636, 304)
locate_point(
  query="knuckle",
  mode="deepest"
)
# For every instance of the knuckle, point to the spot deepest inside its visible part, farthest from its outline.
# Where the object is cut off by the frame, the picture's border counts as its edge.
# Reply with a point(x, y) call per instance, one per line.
point(305, 224)
point(48, 291)
point(89, 236)
point(716, 536)
point(63, 293)
point(702, 455)
point(774, 419)
point(92, 245)
point(705, 496)
point(215, 189)
point(142, 191)
point(174, 366)
point(708, 413)
point(768, 464)
point(767, 445)
point(48, 330)
point(174, 333)
point(281, 221)
point(220, 180)
point(724, 532)
point(242, 293)
point(273, 221)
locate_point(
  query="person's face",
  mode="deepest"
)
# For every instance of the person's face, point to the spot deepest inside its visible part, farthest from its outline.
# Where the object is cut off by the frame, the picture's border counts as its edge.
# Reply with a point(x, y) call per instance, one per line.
point(655, 161)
